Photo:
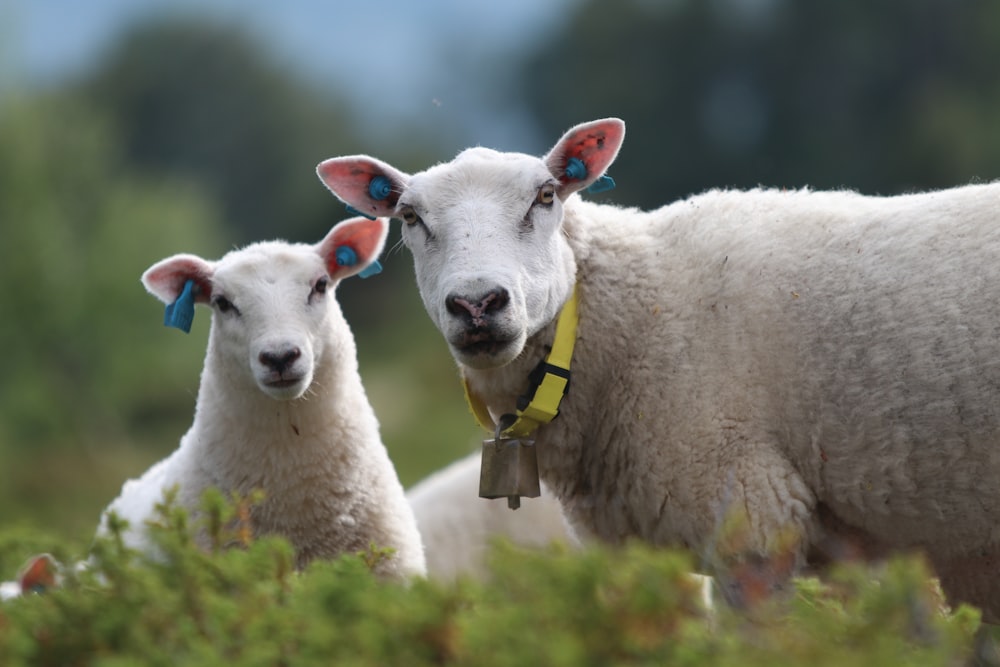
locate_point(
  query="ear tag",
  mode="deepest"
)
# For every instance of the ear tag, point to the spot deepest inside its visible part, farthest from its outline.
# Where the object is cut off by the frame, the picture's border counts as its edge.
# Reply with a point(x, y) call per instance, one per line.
point(603, 184)
point(372, 269)
point(180, 313)
point(346, 256)
point(380, 188)
point(576, 169)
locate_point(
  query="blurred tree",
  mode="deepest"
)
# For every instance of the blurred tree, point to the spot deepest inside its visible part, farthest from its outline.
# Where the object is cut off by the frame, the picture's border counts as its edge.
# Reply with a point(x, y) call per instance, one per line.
point(881, 97)
point(208, 103)
point(77, 231)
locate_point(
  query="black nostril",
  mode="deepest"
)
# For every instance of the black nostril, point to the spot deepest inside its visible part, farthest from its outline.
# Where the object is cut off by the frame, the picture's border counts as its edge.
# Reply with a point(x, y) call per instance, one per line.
point(280, 361)
point(496, 300)
point(455, 304)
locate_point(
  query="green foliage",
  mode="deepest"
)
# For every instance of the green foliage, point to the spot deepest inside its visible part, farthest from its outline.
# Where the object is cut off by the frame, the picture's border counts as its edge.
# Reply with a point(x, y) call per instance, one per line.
point(89, 365)
point(221, 111)
point(630, 606)
point(78, 231)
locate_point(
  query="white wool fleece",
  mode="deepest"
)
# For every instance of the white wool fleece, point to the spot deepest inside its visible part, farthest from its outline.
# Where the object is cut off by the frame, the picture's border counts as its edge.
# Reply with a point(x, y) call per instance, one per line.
point(458, 529)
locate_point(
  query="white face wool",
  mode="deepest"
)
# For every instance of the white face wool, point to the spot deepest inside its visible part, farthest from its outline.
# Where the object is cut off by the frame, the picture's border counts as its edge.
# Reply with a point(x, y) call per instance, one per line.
point(491, 261)
point(270, 301)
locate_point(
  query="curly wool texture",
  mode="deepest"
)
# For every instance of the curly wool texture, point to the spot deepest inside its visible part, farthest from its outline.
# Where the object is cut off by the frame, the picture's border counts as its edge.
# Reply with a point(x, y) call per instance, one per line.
point(774, 351)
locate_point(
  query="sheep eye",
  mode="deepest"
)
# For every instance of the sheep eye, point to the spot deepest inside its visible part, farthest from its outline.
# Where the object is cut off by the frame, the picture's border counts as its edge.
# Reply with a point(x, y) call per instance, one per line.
point(409, 216)
point(224, 305)
point(546, 195)
point(319, 287)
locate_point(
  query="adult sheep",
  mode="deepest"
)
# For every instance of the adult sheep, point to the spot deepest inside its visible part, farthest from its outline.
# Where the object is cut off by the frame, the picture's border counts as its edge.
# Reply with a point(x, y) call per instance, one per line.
point(820, 364)
point(281, 407)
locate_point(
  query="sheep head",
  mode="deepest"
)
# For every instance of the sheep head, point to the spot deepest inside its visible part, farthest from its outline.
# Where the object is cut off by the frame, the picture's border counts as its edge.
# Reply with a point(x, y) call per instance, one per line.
point(270, 302)
point(485, 232)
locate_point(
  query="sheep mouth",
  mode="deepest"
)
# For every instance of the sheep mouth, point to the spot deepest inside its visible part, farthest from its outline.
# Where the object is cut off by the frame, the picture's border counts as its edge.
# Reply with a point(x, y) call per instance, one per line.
point(480, 343)
point(283, 383)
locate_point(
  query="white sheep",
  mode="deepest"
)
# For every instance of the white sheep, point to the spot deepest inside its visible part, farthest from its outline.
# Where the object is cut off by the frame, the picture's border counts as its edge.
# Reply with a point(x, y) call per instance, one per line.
point(281, 407)
point(818, 365)
point(458, 529)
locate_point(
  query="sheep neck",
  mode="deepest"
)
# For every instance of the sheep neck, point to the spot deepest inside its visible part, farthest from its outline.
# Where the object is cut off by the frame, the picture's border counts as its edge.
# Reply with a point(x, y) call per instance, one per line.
point(235, 407)
point(547, 392)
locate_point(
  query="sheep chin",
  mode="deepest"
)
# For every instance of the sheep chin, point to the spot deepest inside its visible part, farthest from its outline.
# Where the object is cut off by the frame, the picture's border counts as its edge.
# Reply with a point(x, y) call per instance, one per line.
point(285, 388)
point(496, 354)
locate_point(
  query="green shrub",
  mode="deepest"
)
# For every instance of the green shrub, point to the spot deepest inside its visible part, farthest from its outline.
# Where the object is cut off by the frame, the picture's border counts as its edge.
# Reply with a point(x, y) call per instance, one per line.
point(629, 606)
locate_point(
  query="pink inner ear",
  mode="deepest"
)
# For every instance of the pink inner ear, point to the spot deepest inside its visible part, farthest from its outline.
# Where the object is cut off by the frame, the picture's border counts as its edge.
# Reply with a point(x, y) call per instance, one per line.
point(595, 144)
point(349, 179)
point(166, 280)
point(365, 237)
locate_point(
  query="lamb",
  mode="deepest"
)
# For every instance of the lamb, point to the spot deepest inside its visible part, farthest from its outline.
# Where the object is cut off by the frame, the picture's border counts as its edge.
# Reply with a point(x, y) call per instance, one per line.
point(819, 365)
point(458, 530)
point(281, 407)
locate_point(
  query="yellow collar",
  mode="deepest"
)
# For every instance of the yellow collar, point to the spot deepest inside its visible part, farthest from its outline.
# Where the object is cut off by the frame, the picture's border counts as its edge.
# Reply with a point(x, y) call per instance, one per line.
point(543, 405)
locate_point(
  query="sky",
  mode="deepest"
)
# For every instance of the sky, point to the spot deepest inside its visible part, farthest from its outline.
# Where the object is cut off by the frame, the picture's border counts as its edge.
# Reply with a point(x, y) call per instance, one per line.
point(407, 56)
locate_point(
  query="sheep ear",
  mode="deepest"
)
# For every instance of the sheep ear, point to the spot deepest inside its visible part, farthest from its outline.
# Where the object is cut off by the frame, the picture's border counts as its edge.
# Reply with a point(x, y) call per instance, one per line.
point(584, 153)
point(38, 574)
point(180, 282)
point(353, 246)
point(166, 279)
point(368, 186)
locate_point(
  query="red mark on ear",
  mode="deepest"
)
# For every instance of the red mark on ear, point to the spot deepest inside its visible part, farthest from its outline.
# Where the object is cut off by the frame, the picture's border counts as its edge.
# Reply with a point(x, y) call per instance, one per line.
point(586, 146)
point(38, 575)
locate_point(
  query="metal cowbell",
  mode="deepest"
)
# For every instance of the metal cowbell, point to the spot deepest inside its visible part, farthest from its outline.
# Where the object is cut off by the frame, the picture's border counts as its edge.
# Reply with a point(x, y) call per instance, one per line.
point(509, 470)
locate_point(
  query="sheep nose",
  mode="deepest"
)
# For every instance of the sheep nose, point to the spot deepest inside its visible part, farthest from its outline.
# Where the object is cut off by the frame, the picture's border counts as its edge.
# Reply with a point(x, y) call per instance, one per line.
point(493, 301)
point(280, 360)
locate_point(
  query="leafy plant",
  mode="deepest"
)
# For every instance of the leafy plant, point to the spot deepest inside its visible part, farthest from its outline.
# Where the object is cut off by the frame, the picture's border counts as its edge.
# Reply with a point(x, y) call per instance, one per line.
point(630, 606)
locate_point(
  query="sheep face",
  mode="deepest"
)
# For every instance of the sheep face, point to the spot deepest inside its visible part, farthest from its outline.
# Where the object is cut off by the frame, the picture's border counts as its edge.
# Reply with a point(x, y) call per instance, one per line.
point(272, 303)
point(270, 309)
point(490, 263)
point(485, 232)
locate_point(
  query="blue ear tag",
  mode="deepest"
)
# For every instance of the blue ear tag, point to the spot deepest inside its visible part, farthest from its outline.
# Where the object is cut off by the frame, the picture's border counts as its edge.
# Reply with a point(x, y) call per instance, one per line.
point(576, 169)
point(379, 188)
point(372, 269)
point(180, 313)
point(602, 184)
point(346, 256)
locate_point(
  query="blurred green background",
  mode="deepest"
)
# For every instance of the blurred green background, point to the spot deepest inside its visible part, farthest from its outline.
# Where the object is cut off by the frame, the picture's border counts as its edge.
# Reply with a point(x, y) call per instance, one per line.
point(189, 129)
